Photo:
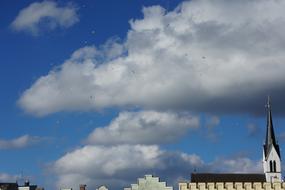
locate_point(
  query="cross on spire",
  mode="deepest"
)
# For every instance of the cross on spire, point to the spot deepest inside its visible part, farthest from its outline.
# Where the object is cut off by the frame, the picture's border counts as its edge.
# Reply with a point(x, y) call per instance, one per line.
point(268, 104)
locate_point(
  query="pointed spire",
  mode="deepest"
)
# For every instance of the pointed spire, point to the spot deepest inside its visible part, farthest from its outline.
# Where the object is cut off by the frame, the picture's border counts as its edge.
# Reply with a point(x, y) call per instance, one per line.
point(270, 136)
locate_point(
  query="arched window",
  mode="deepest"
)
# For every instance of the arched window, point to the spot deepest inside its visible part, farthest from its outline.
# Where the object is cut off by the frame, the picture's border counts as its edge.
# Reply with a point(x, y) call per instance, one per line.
point(271, 166)
point(274, 166)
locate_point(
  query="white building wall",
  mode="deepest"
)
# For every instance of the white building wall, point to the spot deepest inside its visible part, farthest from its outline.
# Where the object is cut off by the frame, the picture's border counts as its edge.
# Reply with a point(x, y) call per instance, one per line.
point(272, 176)
point(149, 183)
point(103, 187)
point(24, 188)
point(232, 186)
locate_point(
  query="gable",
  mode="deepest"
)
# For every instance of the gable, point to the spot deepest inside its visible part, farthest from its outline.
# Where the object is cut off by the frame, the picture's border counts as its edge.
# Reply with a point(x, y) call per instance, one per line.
point(272, 152)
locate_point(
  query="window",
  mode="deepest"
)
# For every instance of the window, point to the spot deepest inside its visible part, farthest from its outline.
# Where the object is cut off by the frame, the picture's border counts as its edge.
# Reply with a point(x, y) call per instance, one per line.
point(274, 166)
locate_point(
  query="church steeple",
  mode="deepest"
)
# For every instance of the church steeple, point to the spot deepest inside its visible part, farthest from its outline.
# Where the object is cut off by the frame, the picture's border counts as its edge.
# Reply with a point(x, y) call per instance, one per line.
point(271, 152)
point(270, 136)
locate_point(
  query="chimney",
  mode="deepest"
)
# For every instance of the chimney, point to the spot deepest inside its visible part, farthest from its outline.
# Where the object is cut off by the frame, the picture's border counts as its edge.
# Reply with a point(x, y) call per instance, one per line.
point(82, 187)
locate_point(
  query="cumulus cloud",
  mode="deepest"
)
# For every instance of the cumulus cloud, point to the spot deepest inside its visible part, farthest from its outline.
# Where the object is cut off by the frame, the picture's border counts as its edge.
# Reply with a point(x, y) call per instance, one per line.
point(237, 165)
point(99, 162)
point(118, 166)
point(144, 127)
point(211, 56)
point(20, 142)
point(8, 178)
point(45, 15)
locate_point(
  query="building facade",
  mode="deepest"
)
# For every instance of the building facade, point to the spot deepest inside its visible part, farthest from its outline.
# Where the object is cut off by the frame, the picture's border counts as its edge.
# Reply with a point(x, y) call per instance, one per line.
point(149, 183)
point(232, 186)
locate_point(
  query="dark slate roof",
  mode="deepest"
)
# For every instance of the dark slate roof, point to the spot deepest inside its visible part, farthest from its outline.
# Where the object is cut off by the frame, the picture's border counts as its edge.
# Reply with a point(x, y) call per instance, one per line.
point(9, 186)
point(270, 136)
point(227, 177)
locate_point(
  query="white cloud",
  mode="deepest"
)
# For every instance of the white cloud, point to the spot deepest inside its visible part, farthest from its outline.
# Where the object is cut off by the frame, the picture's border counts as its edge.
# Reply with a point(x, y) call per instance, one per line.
point(99, 162)
point(123, 151)
point(45, 15)
point(20, 142)
point(144, 127)
point(118, 166)
point(237, 165)
point(105, 163)
point(210, 56)
point(8, 178)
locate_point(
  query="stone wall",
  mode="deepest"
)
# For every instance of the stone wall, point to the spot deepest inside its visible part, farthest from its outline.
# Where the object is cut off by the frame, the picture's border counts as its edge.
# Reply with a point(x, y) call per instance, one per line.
point(232, 186)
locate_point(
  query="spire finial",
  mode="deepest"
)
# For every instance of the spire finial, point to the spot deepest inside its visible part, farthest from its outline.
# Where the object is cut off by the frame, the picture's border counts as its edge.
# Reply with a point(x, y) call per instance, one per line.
point(268, 105)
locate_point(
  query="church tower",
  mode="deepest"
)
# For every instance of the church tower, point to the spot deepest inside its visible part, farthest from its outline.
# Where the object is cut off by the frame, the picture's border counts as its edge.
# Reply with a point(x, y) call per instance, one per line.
point(271, 152)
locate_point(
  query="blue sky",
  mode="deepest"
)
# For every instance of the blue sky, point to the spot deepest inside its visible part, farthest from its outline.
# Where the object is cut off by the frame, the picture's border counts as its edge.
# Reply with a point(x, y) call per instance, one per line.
point(103, 92)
